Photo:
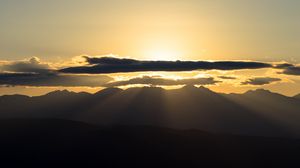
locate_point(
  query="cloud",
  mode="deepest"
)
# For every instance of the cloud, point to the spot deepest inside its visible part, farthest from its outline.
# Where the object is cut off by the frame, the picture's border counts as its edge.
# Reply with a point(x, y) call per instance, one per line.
point(283, 65)
point(32, 72)
point(292, 70)
point(110, 60)
point(32, 65)
point(227, 77)
point(52, 79)
point(260, 81)
point(100, 65)
point(288, 69)
point(157, 80)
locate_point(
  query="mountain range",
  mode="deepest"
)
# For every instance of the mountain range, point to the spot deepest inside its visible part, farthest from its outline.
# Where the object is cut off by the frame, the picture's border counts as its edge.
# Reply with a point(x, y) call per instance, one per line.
point(256, 112)
point(52, 142)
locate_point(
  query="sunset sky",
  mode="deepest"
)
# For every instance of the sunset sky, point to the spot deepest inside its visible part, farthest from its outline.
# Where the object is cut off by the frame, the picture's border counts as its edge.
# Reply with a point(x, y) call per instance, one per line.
point(43, 43)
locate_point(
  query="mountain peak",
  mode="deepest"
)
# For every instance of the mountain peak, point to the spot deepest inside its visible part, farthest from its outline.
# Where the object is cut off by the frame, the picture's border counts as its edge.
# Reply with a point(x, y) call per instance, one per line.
point(59, 92)
point(145, 88)
point(262, 92)
point(106, 91)
point(258, 91)
point(297, 96)
point(202, 88)
point(190, 87)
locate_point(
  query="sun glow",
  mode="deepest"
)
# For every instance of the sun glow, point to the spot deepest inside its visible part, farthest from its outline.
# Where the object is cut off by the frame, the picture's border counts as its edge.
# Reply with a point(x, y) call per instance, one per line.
point(163, 48)
point(163, 54)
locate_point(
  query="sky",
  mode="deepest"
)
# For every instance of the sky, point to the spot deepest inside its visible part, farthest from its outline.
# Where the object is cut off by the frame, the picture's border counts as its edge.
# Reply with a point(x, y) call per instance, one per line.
point(53, 35)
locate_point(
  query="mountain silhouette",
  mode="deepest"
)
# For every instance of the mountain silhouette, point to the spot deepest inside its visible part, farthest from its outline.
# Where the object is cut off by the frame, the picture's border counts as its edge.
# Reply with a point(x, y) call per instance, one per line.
point(150, 126)
point(297, 96)
point(257, 112)
point(50, 142)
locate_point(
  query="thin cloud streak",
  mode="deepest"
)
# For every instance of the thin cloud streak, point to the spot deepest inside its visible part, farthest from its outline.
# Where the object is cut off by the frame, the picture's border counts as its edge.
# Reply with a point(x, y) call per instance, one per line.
point(260, 81)
point(154, 80)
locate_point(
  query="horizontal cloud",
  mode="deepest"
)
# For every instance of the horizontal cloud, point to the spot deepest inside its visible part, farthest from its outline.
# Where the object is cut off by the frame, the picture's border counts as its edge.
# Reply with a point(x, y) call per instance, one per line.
point(32, 72)
point(156, 80)
point(283, 65)
point(32, 65)
point(98, 65)
point(51, 79)
point(226, 77)
point(288, 69)
point(260, 81)
point(292, 70)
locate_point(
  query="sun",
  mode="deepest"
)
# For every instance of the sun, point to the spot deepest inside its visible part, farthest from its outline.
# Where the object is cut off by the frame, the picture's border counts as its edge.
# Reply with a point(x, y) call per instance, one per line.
point(163, 49)
point(163, 55)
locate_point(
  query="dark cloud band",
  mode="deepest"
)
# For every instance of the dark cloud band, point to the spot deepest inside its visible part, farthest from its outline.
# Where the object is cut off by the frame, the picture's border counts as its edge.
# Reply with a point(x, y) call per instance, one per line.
point(32, 72)
point(117, 65)
point(52, 79)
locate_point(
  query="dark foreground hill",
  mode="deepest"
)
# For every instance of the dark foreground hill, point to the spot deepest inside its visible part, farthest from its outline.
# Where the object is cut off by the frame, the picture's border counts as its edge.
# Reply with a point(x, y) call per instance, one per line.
point(259, 112)
point(59, 143)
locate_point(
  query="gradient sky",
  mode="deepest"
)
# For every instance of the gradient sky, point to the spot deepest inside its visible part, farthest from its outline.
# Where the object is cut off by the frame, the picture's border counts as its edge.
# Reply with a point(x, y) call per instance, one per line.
point(191, 29)
point(58, 30)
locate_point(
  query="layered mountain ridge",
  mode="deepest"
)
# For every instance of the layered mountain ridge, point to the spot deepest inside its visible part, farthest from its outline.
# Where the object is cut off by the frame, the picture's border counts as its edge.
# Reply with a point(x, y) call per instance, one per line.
point(256, 112)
